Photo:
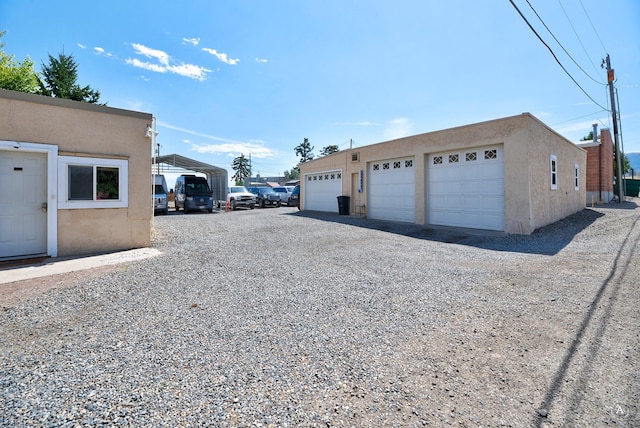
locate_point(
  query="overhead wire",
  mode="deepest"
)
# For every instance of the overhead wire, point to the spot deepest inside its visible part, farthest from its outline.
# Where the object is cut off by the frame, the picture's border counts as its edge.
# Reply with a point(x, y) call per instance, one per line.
point(554, 55)
point(579, 40)
point(560, 44)
point(593, 26)
point(576, 118)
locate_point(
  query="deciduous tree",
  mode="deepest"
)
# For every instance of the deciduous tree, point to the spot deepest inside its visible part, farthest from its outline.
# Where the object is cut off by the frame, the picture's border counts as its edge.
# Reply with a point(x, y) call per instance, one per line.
point(16, 75)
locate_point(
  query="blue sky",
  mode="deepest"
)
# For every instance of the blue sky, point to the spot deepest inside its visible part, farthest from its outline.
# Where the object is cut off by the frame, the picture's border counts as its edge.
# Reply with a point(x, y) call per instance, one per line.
point(228, 77)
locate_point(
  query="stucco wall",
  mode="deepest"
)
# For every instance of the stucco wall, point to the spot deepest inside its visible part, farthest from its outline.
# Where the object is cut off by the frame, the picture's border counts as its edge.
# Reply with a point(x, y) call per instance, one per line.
point(81, 129)
point(527, 144)
point(550, 205)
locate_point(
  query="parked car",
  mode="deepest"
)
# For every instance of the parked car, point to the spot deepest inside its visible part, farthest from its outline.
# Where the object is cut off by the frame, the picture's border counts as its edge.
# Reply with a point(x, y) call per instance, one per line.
point(265, 196)
point(239, 196)
point(160, 195)
point(295, 197)
point(192, 193)
point(284, 193)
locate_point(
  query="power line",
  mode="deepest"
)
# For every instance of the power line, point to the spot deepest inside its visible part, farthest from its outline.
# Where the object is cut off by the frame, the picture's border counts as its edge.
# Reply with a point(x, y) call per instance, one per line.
point(576, 118)
point(554, 55)
point(558, 41)
point(592, 26)
point(579, 40)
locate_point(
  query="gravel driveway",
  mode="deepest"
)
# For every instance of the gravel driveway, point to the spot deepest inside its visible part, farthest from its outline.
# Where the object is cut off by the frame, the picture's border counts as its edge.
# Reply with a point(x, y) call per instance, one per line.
point(274, 317)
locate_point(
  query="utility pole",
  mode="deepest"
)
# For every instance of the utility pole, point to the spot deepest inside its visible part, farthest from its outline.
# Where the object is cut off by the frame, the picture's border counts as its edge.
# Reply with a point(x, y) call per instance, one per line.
point(614, 116)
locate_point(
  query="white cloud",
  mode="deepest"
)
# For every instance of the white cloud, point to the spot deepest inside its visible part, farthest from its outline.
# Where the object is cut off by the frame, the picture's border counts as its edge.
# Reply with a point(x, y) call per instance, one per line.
point(196, 133)
point(147, 65)
point(194, 41)
point(81, 46)
point(580, 127)
point(235, 149)
point(190, 70)
point(398, 128)
point(100, 51)
point(221, 56)
point(164, 65)
point(227, 147)
point(161, 56)
point(261, 60)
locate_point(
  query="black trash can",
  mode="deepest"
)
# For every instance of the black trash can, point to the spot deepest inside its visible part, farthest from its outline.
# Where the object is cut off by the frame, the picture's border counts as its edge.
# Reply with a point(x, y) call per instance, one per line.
point(343, 205)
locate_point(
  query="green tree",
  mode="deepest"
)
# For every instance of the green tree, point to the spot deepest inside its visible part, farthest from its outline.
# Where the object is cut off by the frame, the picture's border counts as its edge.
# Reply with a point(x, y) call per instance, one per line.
point(16, 75)
point(242, 169)
point(60, 81)
point(626, 165)
point(329, 150)
point(305, 151)
point(294, 174)
point(588, 137)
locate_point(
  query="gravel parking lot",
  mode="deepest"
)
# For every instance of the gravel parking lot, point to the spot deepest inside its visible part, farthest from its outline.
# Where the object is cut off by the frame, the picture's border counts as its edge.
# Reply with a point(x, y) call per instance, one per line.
point(275, 317)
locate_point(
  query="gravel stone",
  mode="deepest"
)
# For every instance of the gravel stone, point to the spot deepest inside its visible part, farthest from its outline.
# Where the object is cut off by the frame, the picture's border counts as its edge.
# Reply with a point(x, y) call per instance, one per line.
point(275, 317)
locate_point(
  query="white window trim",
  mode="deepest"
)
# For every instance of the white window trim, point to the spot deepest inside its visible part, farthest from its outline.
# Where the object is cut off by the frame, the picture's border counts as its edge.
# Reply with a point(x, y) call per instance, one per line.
point(553, 172)
point(63, 182)
point(576, 179)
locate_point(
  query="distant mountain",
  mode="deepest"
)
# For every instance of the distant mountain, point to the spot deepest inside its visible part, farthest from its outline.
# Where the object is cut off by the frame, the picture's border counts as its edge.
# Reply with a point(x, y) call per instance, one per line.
point(634, 160)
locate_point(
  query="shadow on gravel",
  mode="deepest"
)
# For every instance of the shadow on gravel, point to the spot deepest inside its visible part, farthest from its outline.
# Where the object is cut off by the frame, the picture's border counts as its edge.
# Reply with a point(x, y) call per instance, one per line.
point(598, 317)
point(625, 205)
point(548, 240)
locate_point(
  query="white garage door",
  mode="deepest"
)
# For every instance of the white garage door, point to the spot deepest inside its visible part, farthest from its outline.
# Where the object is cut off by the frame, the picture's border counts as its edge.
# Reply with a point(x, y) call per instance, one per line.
point(466, 188)
point(392, 190)
point(321, 191)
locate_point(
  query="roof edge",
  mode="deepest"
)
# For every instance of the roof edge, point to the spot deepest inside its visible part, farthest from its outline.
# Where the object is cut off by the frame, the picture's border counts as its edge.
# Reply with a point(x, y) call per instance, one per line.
point(78, 105)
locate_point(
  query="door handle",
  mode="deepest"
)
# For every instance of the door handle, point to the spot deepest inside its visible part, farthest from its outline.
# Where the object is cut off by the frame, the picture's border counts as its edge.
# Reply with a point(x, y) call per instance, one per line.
point(44, 207)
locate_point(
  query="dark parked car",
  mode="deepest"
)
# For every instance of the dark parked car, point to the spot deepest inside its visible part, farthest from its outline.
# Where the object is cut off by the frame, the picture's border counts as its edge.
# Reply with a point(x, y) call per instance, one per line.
point(265, 196)
point(294, 200)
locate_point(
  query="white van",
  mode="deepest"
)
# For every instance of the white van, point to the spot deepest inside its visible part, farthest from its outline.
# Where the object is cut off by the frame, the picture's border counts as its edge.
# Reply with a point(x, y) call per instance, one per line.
point(160, 195)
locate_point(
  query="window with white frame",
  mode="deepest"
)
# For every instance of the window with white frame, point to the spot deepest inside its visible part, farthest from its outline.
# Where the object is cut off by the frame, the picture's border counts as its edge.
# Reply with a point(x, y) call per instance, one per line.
point(92, 182)
point(553, 168)
point(576, 178)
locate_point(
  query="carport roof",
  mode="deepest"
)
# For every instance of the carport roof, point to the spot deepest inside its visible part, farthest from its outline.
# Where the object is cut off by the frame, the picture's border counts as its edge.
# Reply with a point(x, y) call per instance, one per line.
point(190, 164)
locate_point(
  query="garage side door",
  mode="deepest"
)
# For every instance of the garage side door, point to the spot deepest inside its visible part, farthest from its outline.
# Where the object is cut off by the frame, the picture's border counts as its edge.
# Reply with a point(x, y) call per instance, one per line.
point(321, 191)
point(23, 191)
point(466, 188)
point(392, 190)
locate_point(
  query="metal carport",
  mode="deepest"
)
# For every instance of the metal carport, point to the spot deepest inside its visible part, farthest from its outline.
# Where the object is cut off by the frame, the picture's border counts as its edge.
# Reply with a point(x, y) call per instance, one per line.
point(216, 176)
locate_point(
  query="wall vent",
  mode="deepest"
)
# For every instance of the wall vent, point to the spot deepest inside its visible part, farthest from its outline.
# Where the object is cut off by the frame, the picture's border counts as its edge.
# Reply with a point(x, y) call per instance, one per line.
point(355, 157)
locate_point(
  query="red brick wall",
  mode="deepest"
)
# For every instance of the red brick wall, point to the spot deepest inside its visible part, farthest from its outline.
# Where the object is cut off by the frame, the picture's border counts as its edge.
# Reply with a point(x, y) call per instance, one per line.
point(600, 164)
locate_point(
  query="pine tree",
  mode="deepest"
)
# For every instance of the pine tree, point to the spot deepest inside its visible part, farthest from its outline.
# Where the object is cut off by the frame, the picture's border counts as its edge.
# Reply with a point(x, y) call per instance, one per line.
point(60, 80)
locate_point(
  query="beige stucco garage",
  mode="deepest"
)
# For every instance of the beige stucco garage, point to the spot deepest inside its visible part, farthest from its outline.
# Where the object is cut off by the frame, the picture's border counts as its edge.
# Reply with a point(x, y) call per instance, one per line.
point(75, 177)
point(513, 174)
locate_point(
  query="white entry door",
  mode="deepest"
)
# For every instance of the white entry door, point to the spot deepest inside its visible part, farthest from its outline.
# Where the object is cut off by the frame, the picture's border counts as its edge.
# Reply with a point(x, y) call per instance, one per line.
point(23, 193)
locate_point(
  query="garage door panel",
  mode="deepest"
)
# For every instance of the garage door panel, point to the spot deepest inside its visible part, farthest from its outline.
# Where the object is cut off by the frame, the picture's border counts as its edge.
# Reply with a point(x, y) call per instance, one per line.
point(391, 190)
point(466, 191)
point(322, 190)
